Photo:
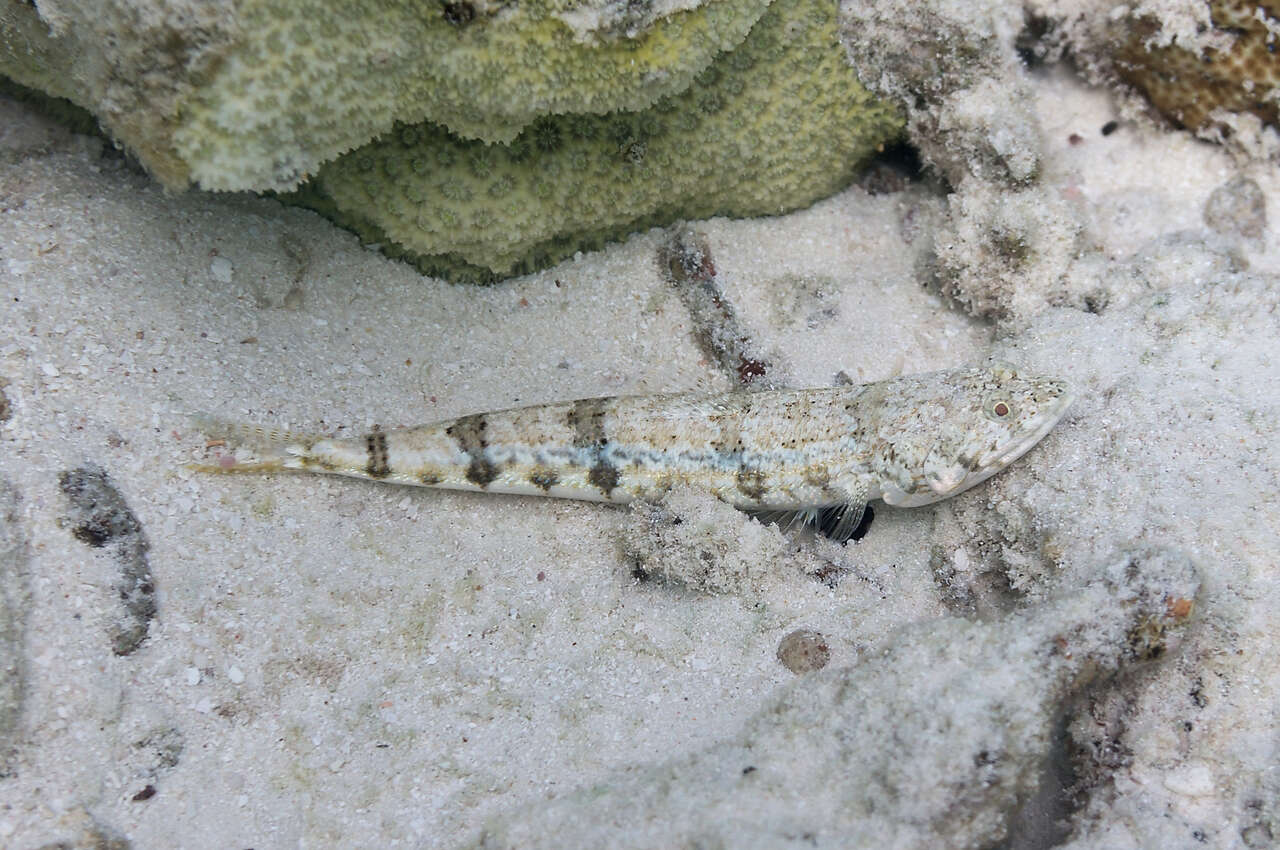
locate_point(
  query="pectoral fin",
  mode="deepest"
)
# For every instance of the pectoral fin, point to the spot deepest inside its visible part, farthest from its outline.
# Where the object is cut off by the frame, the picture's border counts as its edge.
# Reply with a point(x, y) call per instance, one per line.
point(843, 523)
point(840, 523)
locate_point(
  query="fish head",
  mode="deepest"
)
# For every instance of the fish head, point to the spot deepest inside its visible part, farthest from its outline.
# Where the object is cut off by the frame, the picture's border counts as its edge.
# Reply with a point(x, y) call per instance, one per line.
point(986, 419)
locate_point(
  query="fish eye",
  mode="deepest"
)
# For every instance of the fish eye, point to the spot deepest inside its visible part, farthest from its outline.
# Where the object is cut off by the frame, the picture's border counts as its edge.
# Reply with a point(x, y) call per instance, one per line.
point(1000, 409)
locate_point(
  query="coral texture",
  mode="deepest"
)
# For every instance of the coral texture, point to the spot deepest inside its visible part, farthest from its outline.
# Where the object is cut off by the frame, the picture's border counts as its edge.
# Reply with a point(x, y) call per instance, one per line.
point(477, 139)
point(317, 79)
point(132, 63)
point(256, 94)
point(1209, 66)
point(1239, 74)
point(767, 128)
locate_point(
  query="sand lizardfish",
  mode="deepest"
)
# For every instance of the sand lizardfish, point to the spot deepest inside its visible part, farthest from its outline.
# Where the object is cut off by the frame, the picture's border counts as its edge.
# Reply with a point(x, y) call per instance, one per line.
point(909, 441)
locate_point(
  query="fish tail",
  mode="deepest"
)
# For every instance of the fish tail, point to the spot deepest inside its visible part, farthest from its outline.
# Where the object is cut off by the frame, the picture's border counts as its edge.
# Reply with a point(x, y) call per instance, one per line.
point(274, 448)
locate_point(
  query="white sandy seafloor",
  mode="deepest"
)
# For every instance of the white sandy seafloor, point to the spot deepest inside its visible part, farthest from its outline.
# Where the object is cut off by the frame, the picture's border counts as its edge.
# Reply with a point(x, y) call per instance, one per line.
point(339, 663)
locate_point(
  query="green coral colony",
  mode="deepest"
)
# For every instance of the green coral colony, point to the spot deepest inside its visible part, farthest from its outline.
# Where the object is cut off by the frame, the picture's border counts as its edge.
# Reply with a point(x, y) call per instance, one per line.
point(317, 70)
point(506, 134)
point(768, 127)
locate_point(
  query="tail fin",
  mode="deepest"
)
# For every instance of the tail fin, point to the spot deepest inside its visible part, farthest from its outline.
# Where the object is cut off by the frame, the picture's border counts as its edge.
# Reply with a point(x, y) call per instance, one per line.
point(275, 448)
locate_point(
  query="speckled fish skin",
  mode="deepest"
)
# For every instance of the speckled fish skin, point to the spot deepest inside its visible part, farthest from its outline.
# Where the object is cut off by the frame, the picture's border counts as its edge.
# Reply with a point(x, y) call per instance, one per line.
point(909, 441)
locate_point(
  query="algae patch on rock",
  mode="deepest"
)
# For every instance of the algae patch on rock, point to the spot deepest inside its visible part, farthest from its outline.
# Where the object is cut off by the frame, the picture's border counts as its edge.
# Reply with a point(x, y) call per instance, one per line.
point(769, 127)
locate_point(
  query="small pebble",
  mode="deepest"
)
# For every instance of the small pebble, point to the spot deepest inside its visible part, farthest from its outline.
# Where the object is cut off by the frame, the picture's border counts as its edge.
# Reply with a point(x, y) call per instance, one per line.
point(804, 651)
point(220, 268)
point(235, 674)
point(1237, 208)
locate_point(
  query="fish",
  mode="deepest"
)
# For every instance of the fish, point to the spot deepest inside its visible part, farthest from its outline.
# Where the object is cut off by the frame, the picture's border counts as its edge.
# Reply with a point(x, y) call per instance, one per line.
point(817, 454)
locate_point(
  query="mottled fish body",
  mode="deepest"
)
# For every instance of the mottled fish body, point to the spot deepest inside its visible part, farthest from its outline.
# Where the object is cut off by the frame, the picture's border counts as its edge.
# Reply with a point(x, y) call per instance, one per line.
point(909, 441)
